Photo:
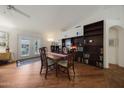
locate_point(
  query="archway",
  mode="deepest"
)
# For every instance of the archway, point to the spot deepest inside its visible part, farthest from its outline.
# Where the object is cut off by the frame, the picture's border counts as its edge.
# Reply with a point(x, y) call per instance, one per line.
point(116, 37)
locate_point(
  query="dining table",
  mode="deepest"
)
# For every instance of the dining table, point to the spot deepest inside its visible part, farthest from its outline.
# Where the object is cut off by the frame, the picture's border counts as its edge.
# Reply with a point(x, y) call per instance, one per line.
point(56, 57)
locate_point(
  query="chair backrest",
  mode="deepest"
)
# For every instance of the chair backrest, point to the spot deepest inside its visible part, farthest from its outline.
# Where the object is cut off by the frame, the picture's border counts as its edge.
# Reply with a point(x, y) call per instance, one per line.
point(73, 51)
point(46, 50)
point(70, 59)
point(43, 56)
point(64, 50)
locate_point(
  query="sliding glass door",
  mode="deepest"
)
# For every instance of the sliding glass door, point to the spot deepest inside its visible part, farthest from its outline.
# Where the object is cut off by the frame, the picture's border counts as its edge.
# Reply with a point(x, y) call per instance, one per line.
point(25, 47)
point(28, 47)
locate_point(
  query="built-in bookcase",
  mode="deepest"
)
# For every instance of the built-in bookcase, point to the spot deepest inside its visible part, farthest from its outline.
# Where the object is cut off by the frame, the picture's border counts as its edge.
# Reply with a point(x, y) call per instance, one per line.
point(90, 46)
point(93, 44)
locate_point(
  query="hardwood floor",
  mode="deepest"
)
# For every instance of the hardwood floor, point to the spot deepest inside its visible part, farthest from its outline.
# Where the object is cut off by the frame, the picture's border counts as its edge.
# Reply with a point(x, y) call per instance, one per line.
point(86, 77)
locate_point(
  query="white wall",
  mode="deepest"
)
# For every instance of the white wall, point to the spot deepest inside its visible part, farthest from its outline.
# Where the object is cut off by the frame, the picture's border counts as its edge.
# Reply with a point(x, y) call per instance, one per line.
point(121, 47)
point(72, 32)
point(13, 38)
point(6, 25)
point(27, 35)
point(55, 35)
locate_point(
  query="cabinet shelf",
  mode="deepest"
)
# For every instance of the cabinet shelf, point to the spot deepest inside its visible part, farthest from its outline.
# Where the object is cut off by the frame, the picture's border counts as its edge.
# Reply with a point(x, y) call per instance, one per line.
point(94, 35)
point(94, 29)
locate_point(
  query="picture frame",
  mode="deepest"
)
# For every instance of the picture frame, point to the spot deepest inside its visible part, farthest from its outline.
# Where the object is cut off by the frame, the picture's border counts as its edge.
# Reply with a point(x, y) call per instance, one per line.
point(112, 42)
point(3, 40)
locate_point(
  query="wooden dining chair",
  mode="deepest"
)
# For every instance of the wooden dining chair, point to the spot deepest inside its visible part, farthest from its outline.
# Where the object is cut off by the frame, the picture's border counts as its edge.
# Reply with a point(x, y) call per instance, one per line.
point(64, 50)
point(44, 61)
point(46, 49)
point(73, 51)
point(67, 64)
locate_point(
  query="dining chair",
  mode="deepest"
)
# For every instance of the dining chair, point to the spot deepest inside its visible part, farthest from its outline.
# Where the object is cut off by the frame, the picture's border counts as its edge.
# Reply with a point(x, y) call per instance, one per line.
point(64, 50)
point(44, 61)
point(46, 49)
point(74, 51)
point(67, 64)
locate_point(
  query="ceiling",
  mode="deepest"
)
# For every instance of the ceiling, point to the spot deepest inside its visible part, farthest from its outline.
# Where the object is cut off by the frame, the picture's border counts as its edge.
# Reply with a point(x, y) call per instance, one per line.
point(47, 17)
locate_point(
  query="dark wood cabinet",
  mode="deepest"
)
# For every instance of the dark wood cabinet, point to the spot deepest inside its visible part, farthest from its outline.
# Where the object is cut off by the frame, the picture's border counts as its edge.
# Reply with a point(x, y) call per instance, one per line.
point(90, 46)
point(77, 43)
point(93, 44)
point(54, 48)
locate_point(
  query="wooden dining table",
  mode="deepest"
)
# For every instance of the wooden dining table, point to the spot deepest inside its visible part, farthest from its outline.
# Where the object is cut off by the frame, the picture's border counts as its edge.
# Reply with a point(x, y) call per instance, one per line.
point(56, 57)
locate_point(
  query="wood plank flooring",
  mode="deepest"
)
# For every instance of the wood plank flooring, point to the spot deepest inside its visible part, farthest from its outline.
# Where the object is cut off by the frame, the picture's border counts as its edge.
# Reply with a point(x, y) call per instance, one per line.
point(27, 76)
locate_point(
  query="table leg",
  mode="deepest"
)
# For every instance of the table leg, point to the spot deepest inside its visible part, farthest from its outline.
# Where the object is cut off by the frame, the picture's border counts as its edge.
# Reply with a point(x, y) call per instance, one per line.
point(56, 69)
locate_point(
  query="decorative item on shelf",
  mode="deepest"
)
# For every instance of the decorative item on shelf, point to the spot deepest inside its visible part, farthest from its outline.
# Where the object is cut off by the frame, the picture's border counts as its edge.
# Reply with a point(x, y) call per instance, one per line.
point(77, 33)
point(64, 50)
point(80, 49)
point(90, 41)
point(73, 47)
point(97, 63)
point(86, 58)
point(7, 49)
point(84, 41)
point(101, 58)
point(86, 55)
point(56, 43)
point(86, 61)
point(63, 44)
point(53, 43)
point(101, 50)
point(80, 44)
point(101, 65)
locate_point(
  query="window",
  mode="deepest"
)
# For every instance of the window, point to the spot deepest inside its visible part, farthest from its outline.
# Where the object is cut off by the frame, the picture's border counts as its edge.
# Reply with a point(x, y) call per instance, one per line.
point(25, 47)
point(28, 47)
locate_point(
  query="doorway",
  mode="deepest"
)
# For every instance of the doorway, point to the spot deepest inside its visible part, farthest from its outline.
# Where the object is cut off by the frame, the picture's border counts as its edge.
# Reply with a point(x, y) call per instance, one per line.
point(116, 35)
point(28, 47)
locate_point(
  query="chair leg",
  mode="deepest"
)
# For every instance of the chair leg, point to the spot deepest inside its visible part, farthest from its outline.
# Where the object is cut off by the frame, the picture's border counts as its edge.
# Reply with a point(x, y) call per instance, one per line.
point(46, 73)
point(68, 74)
point(41, 69)
point(73, 70)
point(56, 70)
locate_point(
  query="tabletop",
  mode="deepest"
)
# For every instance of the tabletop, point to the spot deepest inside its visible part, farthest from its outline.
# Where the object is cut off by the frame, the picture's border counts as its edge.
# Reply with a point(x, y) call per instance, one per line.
point(56, 56)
